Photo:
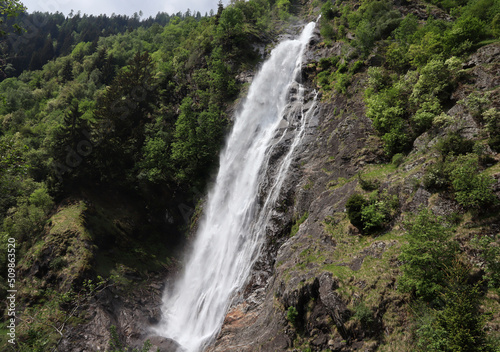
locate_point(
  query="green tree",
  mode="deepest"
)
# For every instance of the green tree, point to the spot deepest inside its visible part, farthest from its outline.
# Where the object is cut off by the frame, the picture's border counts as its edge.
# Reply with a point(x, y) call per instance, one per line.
point(428, 252)
point(472, 189)
point(10, 8)
point(121, 115)
point(197, 139)
point(67, 71)
point(354, 207)
point(72, 145)
point(459, 325)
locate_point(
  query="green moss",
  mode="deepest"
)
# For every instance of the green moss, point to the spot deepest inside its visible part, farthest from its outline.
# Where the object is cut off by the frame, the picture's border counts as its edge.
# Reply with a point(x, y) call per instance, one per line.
point(298, 222)
point(69, 219)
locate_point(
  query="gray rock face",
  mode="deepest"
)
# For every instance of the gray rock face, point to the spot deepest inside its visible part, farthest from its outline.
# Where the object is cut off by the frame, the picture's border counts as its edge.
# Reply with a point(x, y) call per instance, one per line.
point(258, 322)
point(339, 142)
point(162, 344)
point(133, 314)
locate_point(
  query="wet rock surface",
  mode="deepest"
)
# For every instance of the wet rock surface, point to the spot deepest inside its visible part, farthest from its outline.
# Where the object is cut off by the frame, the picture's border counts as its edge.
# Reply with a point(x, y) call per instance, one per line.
point(297, 271)
point(133, 313)
point(302, 271)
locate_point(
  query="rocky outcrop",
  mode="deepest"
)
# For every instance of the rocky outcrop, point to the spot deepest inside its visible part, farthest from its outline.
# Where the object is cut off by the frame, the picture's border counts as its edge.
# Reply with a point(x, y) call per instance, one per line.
point(340, 287)
point(323, 286)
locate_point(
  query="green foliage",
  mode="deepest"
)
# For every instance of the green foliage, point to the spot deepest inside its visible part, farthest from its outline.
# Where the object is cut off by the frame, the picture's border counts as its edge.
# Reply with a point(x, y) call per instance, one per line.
point(398, 159)
point(342, 82)
point(356, 67)
point(458, 326)
point(374, 20)
point(298, 222)
point(428, 252)
point(121, 116)
point(436, 176)
point(489, 250)
point(472, 189)
point(492, 119)
point(374, 216)
point(385, 108)
point(371, 216)
point(363, 314)
point(196, 140)
point(454, 143)
point(283, 7)
point(434, 81)
point(292, 315)
point(354, 207)
point(10, 8)
point(367, 185)
point(461, 319)
point(28, 216)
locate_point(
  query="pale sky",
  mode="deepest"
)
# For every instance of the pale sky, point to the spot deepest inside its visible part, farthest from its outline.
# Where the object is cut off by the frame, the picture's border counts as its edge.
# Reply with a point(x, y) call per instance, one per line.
point(121, 7)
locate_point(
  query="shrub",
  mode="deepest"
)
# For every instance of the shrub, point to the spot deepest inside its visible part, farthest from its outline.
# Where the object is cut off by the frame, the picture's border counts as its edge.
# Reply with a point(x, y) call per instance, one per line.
point(367, 185)
point(424, 116)
point(434, 80)
point(291, 315)
point(343, 81)
point(460, 319)
point(378, 78)
point(397, 140)
point(477, 103)
point(373, 216)
point(455, 144)
point(436, 176)
point(397, 159)
point(386, 109)
point(363, 314)
point(354, 207)
point(472, 189)
point(492, 118)
point(490, 252)
point(428, 252)
point(342, 68)
point(356, 66)
point(458, 325)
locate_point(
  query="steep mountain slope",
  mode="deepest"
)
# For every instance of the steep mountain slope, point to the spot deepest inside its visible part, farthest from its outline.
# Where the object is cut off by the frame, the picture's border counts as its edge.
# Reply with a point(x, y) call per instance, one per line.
point(408, 121)
point(326, 285)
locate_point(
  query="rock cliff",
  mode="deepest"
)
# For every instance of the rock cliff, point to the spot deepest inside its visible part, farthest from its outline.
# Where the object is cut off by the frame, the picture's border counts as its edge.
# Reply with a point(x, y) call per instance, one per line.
point(321, 285)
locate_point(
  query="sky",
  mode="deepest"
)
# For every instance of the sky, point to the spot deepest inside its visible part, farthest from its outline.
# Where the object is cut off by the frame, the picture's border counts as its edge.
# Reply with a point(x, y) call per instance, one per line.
point(121, 7)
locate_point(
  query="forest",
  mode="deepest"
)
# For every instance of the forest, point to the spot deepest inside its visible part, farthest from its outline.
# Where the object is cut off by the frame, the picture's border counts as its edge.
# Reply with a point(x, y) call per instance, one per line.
point(103, 109)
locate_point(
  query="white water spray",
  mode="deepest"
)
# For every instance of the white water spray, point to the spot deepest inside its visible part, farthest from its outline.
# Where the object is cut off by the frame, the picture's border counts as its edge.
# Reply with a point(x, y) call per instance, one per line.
point(232, 230)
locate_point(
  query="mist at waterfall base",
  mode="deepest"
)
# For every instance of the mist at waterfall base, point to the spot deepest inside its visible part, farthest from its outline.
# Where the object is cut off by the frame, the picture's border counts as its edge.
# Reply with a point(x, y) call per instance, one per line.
point(232, 230)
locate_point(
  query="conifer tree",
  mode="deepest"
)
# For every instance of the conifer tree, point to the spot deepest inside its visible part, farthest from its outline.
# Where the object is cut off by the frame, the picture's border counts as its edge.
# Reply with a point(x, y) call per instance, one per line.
point(121, 115)
point(67, 71)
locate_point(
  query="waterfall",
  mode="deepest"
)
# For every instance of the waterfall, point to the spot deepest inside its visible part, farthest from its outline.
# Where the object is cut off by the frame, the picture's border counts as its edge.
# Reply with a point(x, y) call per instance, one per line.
point(232, 229)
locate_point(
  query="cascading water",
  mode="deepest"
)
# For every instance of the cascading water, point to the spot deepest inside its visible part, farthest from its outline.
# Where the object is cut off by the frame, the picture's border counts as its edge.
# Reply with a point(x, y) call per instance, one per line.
point(231, 232)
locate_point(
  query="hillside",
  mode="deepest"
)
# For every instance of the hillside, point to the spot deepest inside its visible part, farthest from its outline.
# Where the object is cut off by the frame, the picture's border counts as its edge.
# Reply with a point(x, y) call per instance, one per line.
point(385, 236)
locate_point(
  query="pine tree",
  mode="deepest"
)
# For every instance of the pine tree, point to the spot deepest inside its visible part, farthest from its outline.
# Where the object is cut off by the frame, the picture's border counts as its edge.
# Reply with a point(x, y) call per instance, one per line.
point(461, 319)
point(121, 115)
point(73, 144)
point(67, 71)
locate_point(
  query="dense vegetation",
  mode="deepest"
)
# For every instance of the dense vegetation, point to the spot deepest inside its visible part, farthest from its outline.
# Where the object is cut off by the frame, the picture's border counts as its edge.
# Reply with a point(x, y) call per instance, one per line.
point(115, 104)
point(111, 105)
point(423, 57)
point(416, 61)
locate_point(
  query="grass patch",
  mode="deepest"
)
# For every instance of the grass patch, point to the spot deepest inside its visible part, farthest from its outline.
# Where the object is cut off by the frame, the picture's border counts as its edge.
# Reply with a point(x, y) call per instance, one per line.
point(69, 219)
point(298, 222)
point(337, 183)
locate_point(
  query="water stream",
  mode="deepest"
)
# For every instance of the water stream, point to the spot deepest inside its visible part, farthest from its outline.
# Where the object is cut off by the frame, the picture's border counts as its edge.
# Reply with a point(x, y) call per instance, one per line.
point(232, 230)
